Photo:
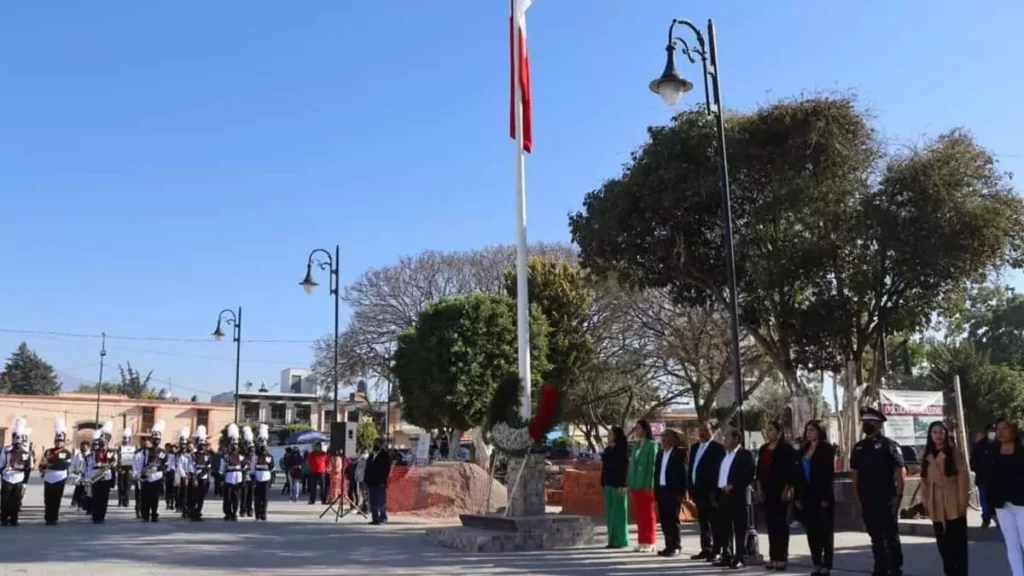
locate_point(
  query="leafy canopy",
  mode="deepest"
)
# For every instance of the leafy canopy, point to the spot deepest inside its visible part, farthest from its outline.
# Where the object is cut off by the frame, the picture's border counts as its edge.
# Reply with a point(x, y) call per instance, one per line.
point(27, 373)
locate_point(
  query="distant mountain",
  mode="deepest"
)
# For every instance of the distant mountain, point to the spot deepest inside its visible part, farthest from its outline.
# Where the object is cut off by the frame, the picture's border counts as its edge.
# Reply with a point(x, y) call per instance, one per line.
point(71, 382)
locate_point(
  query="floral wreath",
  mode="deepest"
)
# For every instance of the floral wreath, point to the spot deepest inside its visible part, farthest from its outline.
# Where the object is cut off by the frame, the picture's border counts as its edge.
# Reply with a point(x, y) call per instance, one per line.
point(509, 434)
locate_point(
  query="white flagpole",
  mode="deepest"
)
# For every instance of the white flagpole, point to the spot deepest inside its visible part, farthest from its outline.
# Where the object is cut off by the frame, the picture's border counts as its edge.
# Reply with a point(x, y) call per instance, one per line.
point(522, 269)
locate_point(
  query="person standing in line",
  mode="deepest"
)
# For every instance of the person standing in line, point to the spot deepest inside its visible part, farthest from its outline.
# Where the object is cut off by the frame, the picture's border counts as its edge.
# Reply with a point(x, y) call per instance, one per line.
point(317, 462)
point(231, 468)
point(1006, 492)
point(776, 463)
point(100, 463)
point(215, 468)
point(150, 465)
point(981, 462)
point(183, 472)
point(641, 485)
point(199, 475)
point(614, 470)
point(293, 464)
point(286, 487)
point(125, 462)
point(77, 468)
point(260, 469)
point(305, 473)
point(944, 488)
point(170, 489)
point(735, 476)
point(15, 468)
point(352, 485)
point(378, 468)
point(878, 474)
point(705, 457)
point(54, 466)
point(670, 489)
point(814, 495)
point(248, 452)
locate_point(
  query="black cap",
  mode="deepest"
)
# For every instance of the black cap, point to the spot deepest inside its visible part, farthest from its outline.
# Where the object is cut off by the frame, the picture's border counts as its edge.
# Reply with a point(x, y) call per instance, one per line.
point(870, 414)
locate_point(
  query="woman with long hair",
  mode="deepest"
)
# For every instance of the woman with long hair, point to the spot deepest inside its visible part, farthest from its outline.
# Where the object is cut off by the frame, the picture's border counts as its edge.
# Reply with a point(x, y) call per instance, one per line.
point(776, 461)
point(814, 496)
point(641, 485)
point(614, 470)
point(1006, 492)
point(944, 486)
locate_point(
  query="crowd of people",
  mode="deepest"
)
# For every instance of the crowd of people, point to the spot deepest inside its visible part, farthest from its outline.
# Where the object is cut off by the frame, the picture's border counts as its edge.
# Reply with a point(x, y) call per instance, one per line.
point(788, 480)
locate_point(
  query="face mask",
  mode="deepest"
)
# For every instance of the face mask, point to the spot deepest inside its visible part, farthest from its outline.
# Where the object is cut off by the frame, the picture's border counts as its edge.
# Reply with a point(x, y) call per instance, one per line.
point(868, 428)
point(991, 435)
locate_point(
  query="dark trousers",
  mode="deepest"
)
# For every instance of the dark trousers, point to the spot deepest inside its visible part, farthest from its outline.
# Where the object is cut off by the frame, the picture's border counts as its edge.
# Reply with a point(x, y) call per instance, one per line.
point(881, 523)
point(196, 498)
point(231, 495)
point(952, 540)
point(353, 492)
point(776, 513)
point(217, 481)
point(181, 500)
point(99, 500)
point(378, 503)
point(78, 496)
point(819, 523)
point(668, 514)
point(10, 502)
point(53, 493)
point(170, 490)
point(705, 519)
point(986, 511)
point(149, 503)
point(245, 498)
point(731, 526)
point(124, 482)
point(259, 499)
point(316, 482)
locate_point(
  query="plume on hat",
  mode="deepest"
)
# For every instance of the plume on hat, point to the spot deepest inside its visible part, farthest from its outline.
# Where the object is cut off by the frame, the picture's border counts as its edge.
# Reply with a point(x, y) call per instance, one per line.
point(183, 433)
point(233, 432)
point(96, 435)
point(200, 432)
point(59, 427)
point(247, 434)
point(19, 426)
point(108, 428)
point(264, 432)
point(126, 433)
point(158, 428)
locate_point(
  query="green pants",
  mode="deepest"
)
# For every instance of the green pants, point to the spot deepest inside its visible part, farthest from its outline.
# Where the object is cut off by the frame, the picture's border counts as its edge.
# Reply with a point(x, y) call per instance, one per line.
point(616, 517)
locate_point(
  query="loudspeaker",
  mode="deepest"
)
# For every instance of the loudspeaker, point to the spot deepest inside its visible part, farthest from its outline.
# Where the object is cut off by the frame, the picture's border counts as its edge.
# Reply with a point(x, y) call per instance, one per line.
point(343, 439)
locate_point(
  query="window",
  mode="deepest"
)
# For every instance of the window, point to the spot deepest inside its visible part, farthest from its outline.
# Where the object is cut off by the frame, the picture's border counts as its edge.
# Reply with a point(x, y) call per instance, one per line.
point(148, 417)
point(353, 417)
point(296, 384)
point(328, 418)
point(203, 418)
point(251, 411)
point(303, 412)
point(278, 412)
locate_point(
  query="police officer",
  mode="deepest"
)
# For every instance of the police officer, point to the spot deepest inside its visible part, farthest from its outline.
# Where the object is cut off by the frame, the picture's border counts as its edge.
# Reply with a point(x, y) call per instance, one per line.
point(878, 472)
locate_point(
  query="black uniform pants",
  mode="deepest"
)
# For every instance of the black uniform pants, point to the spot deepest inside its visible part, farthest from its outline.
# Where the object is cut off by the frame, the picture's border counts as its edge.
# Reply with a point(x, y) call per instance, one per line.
point(170, 490)
point(819, 524)
point(53, 493)
point(881, 523)
point(124, 483)
point(196, 498)
point(149, 504)
point(217, 481)
point(259, 498)
point(245, 497)
point(952, 540)
point(668, 514)
point(78, 496)
point(10, 502)
point(731, 526)
point(705, 519)
point(99, 499)
point(181, 503)
point(776, 519)
point(231, 494)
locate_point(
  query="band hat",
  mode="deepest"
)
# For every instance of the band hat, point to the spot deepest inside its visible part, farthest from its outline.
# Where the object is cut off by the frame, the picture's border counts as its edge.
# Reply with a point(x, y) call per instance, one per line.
point(126, 433)
point(869, 414)
point(247, 434)
point(158, 428)
point(232, 433)
point(59, 429)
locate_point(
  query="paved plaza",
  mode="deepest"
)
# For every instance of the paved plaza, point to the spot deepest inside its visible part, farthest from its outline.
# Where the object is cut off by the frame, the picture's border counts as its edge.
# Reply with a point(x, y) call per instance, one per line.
point(294, 541)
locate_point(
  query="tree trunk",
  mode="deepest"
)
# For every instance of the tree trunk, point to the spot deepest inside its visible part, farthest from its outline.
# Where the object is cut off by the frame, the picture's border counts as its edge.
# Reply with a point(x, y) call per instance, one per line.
point(454, 443)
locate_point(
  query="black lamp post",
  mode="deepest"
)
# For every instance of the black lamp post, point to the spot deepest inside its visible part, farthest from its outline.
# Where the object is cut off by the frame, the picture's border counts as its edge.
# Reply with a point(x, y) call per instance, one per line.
point(332, 265)
point(234, 320)
point(671, 86)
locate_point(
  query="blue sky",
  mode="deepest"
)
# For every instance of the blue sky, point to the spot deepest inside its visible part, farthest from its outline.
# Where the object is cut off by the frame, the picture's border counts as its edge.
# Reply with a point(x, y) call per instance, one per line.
point(162, 161)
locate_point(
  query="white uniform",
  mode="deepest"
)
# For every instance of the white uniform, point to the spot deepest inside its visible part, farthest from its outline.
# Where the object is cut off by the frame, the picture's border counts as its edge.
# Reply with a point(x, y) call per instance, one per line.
point(16, 463)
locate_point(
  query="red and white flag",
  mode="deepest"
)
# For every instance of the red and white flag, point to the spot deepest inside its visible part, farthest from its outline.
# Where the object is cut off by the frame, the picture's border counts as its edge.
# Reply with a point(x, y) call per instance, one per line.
point(517, 33)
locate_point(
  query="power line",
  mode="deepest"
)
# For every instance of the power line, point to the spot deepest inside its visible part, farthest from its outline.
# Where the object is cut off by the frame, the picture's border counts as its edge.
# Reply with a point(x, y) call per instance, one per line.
point(142, 338)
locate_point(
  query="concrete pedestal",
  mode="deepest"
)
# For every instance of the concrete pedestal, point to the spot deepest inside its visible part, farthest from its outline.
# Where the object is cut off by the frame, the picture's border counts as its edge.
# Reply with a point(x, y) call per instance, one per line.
point(495, 533)
point(525, 483)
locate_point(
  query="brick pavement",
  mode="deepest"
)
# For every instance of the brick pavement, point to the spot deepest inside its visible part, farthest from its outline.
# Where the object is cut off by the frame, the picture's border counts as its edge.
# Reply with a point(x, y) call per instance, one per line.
point(294, 541)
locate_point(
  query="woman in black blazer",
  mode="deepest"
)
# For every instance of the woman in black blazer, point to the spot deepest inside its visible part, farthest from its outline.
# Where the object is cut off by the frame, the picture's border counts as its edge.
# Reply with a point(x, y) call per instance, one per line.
point(814, 495)
point(775, 464)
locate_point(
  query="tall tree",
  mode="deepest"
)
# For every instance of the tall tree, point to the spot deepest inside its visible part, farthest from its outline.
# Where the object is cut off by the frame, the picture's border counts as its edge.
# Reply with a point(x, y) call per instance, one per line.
point(448, 365)
point(134, 384)
point(27, 373)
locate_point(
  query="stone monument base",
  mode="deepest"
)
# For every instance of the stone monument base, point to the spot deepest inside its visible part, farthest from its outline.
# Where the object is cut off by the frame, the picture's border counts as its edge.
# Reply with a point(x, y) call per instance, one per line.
point(492, 533)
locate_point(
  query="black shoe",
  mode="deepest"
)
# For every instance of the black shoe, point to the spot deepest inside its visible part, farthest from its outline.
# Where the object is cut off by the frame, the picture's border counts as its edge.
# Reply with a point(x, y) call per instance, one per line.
point(669, 552)
point(155, 519)
point(701, 556)
point(737, 565)
point(722, 563)
point(97, 520)
point(987, 522)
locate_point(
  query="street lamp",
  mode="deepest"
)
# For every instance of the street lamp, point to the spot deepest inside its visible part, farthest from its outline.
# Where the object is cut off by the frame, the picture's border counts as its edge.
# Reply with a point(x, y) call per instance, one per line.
point(671, 87)
point(332, 265)
point(233, 319)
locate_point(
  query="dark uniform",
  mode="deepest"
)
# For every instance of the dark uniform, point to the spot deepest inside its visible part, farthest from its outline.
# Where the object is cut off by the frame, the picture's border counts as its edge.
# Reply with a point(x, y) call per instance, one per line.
point(201, 462)
point(878, 460)
point(54, 467)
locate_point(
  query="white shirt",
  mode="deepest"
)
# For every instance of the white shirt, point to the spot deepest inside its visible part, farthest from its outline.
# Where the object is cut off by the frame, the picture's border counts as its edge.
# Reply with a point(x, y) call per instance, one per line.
point(184, 465)
point(92, 465)
point(51, 476)
point(723, 470)
point(142, 460)
point(664, 464)
point(14, 462)
point(232, 472)
point(78, 462)
point(260, 467)
point(126, 455)
point(696, 459)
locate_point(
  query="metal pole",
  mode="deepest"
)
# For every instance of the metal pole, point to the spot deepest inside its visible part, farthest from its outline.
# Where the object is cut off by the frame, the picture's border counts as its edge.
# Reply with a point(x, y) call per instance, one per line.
point(962, 433)
point(99, 385)
point(238, 355)
point(336, 278)
point(522, 268)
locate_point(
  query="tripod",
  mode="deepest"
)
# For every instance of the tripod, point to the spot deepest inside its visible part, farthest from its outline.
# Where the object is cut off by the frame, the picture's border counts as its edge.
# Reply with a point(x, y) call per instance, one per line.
point(338, 504)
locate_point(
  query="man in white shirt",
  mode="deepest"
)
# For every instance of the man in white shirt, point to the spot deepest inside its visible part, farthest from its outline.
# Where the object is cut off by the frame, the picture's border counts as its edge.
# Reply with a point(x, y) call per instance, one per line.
point(670, 489)
point(735, 475)
point(54, 467)
point(15, 467)
point(705, 457)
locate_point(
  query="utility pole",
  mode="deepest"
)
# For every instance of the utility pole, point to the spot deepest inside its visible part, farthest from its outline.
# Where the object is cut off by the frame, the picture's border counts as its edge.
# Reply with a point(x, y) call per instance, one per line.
point(99, 384)
point(961, 424)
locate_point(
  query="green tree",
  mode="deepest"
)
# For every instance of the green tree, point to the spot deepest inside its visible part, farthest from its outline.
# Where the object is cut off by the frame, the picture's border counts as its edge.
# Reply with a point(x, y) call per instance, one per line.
point(990, 391)
point(448, 365)
point(366, 434)
point(27, 373)
point(108, 388)
point(134, 384)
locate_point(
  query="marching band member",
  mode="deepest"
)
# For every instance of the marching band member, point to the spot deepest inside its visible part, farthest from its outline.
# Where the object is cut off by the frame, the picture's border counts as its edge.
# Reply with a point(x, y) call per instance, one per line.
point(182, 464)
point(125, 463)
point(98, 474)
point(15, 467)
point(261, 468)
point(94, 445)
point(245, 498)
point(170, 490)
point(199, 472)
point(77, 470)
point(150, 463)
point(231, 468)
point(54, 467)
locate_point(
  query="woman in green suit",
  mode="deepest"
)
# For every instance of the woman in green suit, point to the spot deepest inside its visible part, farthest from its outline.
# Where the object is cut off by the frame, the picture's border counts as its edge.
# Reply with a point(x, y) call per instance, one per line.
point(641, 485)
point(614, 473)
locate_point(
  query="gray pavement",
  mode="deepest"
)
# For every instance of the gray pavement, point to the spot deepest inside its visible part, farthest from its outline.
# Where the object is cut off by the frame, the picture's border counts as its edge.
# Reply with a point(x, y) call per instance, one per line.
point(294, 541)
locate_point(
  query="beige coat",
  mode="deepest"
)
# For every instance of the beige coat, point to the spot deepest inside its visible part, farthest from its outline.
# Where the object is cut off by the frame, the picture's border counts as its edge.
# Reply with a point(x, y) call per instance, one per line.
point(945, 497)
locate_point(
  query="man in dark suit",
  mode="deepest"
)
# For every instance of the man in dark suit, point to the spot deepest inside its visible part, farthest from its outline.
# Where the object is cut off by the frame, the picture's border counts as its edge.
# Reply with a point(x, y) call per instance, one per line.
point(735, 475)
point(378, 468)
point(705, 456)
point(670, 489)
